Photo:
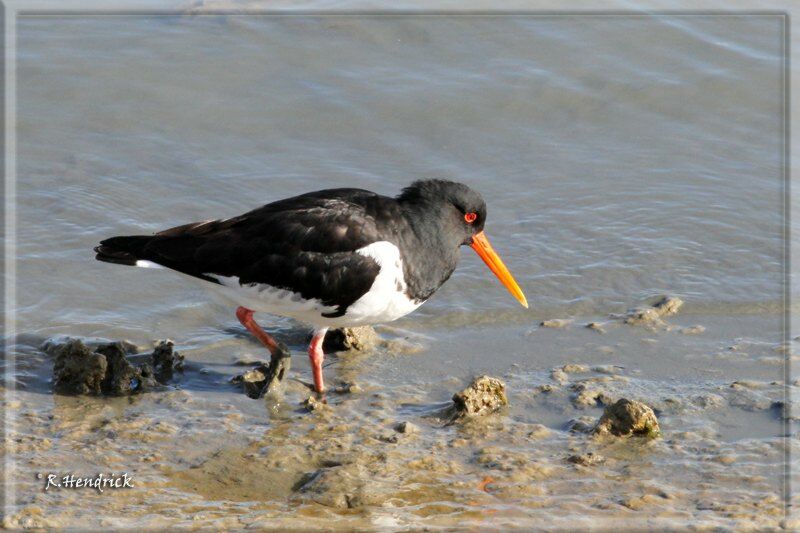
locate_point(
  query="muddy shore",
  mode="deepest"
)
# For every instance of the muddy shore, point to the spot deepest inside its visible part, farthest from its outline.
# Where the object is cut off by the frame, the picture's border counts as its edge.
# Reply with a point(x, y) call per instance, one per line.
point(553, 444)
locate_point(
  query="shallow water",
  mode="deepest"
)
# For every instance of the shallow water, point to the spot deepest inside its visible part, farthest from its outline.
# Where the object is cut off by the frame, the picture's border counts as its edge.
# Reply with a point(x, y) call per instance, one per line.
point(621, 158)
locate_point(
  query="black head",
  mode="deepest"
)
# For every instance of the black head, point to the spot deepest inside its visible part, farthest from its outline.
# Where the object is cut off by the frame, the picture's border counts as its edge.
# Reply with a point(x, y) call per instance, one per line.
point(455, 207)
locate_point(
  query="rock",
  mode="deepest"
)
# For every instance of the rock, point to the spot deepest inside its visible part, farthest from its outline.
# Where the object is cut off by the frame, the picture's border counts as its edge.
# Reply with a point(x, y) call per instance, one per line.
point(253, 381)
point(484, 395)
point(77, 369)
point(589, 397)
point(667, 306)
point(312, 404)
point(556, 323)
point(148, 378)
point(406, 427)
point(121, 376)
point(586, 459)
point(639, 316)
point(572, 368)
point(107, 370)
point(544, 389)
point(628, 417)
point(348, 388)
point(596, 326)
point(53, 345)
point(166, 360)
point(265, 378)
point(559, 375)
point(361, 338)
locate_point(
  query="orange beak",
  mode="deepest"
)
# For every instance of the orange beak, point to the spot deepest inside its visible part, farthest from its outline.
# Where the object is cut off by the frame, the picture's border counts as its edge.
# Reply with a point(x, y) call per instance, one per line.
point(481, 245)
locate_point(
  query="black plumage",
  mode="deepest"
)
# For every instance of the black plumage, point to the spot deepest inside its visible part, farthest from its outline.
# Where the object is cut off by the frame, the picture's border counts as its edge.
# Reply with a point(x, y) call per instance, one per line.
point(307, 243)
point(364, 257)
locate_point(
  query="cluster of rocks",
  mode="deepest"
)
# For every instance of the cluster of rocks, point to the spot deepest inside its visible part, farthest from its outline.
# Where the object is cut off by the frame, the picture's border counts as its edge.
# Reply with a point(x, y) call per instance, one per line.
point(649, 315)
point(106, 369)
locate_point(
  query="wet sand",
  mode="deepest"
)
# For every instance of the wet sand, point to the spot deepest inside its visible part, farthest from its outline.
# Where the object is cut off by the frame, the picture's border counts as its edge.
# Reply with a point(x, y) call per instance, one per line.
point(384, 453)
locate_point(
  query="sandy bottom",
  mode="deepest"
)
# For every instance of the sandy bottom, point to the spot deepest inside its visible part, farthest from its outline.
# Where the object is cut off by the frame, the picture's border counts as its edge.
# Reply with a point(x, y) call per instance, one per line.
point(202, 454)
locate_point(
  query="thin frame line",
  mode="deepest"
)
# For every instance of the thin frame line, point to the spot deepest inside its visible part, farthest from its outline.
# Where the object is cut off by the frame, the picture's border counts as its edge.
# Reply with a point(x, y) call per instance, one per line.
point(8, 21)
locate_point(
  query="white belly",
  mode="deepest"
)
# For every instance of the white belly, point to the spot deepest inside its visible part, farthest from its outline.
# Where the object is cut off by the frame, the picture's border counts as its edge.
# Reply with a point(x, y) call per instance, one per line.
point(385, 301)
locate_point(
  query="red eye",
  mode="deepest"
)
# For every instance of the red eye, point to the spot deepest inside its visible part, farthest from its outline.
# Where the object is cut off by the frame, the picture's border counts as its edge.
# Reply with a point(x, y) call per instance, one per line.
point(470, 217)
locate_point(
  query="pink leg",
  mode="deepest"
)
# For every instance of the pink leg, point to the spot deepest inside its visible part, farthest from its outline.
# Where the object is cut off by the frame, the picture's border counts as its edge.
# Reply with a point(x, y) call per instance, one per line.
point(245, 316)
point(316, 356)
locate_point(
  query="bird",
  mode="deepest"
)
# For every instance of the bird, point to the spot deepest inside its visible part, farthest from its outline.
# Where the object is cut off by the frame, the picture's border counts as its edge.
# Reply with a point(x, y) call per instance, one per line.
point(332, 258)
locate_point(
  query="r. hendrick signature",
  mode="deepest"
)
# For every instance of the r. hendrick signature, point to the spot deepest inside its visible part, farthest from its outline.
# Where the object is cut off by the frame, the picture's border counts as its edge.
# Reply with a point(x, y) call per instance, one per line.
point(98, 482)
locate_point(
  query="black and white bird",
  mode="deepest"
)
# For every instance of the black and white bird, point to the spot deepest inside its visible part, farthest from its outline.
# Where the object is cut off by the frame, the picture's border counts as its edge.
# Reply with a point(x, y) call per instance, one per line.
point(330, 258)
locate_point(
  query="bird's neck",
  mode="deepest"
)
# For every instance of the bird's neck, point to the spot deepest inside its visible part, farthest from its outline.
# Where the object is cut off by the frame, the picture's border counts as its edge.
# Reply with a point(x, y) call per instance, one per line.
point(430, 255)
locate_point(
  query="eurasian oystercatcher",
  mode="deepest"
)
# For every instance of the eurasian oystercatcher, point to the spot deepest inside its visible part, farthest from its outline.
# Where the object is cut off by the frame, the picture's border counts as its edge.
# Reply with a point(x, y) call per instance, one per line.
point(331, 258)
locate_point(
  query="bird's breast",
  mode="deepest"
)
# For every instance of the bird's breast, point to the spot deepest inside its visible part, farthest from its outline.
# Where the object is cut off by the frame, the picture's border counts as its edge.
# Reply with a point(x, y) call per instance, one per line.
point(388, 298)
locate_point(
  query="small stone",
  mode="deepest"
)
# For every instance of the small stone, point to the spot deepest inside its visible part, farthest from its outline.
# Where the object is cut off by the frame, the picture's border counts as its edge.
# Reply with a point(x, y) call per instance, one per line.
point(596, 326)
point(166, 360)
point(484, 395)
point(668, 305)
point(640, 316)
point(348, 388)
point(573, 368)
point(313, 404)
point(588, 397)
point(361, 338)
point(391, 438)
point(652, 315)
point(556, 323)
point(628, 417)
point(406, 427)
point(253, 381)
point(586, 459)
point(559, 375)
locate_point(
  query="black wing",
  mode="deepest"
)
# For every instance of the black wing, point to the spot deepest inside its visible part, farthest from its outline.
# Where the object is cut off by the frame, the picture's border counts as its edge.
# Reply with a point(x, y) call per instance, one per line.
point(304, 244)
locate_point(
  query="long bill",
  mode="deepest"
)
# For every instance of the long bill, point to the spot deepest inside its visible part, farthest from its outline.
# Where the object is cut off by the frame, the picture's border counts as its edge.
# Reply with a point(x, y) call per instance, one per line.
point(482, 247)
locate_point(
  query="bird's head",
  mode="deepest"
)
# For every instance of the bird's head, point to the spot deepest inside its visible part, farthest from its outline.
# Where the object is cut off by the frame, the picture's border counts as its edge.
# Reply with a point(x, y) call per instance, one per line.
point(461, 213)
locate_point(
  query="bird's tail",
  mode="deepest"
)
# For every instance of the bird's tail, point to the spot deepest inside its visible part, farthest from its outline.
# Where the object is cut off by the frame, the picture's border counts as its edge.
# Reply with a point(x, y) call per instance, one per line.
point(122, 250)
